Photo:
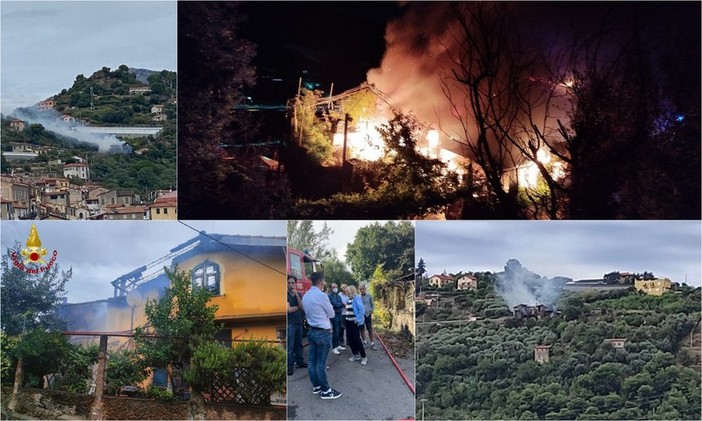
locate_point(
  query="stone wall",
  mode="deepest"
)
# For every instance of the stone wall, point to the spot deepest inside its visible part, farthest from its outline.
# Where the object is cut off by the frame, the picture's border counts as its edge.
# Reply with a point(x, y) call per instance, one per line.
point(52, 404)
point(121, 408)
point(398, 298)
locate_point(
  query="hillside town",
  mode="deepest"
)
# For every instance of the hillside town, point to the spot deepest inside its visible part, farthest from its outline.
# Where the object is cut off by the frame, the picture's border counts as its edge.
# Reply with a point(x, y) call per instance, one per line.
point(101, 150)
point(58, 198)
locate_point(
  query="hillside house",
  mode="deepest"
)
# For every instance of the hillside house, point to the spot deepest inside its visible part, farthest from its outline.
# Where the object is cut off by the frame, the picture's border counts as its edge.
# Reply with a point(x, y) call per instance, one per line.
point(441, 280)
point(78, 170)
point(157, 109)
point(17, 125)
point(467, 283)
point(159, 117)
point(616, 342)
point(47, 104)
point(134, 90)
point(22, 147)
point(542, 353)
point(656, 286)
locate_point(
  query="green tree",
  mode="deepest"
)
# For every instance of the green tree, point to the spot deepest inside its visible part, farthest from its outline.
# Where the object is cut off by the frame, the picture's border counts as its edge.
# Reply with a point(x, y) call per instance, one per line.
point(313, 130)
point(256, 368)
point(303, 236)
point(181, 320)
point(124, 368)
point(336, 271)
point(390, 245)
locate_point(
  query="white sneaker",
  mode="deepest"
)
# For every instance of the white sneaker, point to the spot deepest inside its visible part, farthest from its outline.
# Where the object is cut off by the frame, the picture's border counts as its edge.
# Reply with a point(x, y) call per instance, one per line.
point(355, 358)
point(372, 343)
point(365, 343)
point(341, 348)
point(364, 361)
point(336, 351)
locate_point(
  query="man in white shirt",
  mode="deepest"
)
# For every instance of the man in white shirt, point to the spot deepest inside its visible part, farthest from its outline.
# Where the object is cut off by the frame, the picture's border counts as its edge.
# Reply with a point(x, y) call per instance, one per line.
point(319, 310)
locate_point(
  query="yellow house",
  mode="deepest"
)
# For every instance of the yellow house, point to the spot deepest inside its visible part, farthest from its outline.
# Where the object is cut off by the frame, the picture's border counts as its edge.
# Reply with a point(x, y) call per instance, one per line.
point(246, 275)
point(653, 286)
point(165, 207)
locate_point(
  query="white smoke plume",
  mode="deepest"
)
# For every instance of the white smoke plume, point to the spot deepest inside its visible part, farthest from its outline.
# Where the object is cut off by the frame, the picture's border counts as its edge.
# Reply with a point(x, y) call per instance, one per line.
point(51, 120)
point(517, 285)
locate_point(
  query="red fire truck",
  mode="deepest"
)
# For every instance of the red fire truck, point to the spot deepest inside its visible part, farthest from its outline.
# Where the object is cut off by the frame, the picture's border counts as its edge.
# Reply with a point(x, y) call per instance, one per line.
point(300, 266)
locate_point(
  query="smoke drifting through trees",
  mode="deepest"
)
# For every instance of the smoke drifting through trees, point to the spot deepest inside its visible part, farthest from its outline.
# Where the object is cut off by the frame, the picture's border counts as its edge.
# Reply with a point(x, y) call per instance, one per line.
point(517, 285)
point(51, 120)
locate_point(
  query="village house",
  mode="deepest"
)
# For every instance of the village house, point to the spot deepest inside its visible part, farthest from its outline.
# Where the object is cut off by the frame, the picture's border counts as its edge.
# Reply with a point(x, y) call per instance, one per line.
point(157, 109)
point(133, 90)
point(78, 170)
point(22, 147)
point(47, 104)
point(55, 202)
point(116, 197)
point(66, 119)
point(542, 353)
point(165, 207)
point(117, 212)
point(656, 286)
point(467, 282)
point(7, 211)
point(440, 281)
point(616, 342)
point(159, 117)
point(17, 125)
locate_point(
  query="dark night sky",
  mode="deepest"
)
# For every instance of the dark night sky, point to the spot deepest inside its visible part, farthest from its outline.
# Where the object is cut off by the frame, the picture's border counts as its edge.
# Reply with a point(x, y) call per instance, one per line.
point(340, 41)
point(334, 41)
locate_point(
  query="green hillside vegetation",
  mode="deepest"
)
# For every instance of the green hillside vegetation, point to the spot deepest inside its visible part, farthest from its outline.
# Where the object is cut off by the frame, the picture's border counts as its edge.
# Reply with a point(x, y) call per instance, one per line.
point(111, 102)
point(486, 369)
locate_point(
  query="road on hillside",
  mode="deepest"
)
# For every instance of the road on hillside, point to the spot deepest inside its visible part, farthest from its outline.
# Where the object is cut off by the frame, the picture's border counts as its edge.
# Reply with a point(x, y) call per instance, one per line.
point(372, 392)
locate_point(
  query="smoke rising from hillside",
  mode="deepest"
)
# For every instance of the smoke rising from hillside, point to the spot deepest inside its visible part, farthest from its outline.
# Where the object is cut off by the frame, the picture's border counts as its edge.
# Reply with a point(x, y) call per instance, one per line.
point(517, 285)
point(52, 122)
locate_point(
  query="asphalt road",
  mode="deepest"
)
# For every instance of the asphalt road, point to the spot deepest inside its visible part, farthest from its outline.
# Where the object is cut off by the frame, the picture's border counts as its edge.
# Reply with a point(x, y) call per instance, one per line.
point(372, 392)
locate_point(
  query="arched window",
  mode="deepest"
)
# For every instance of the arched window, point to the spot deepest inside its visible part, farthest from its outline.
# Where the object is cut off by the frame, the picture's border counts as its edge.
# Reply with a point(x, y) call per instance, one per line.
point(206, 275)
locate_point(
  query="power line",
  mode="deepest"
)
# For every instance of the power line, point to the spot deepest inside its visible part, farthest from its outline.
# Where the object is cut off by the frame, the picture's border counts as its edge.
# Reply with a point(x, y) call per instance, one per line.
point(233, 249)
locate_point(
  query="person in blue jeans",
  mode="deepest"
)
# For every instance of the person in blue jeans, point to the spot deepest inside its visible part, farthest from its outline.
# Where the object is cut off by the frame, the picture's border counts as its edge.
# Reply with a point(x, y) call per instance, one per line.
point(335, 301)
point(295, 314)
point(319, 313)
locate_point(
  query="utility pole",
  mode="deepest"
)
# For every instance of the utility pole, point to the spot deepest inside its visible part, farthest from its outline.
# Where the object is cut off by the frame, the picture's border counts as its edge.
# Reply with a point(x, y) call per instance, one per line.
point(347, 118)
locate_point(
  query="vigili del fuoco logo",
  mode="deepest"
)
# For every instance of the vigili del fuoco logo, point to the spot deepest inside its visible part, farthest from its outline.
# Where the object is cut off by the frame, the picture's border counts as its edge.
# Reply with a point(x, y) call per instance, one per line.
point(31, 259)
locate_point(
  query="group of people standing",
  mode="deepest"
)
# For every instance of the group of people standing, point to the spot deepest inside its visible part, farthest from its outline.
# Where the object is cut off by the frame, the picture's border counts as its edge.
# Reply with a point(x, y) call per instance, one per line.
point(329, 314)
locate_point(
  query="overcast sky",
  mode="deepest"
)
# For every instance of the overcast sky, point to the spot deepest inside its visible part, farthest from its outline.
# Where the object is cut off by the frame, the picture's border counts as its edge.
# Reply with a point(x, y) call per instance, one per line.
point(101, 251)
point(576, 249)
point(344, 233)
point(46, 44)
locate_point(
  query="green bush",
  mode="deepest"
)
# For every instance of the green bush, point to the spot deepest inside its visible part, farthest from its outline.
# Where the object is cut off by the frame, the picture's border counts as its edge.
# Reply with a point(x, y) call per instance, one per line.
point(159, 393)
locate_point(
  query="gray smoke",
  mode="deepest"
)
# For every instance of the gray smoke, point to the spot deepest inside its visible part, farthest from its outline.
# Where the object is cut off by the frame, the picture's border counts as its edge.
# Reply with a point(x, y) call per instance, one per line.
point(51, 120)
point(517, 285)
